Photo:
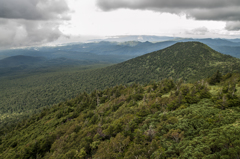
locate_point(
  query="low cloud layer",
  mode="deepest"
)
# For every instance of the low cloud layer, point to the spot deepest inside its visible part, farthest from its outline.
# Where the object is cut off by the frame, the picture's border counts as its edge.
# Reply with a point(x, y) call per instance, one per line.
point(31, 22)
point(218, 10)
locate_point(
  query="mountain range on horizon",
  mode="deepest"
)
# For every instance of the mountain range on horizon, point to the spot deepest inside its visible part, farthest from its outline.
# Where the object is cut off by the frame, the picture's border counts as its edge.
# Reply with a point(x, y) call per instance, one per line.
point(152, 38)
point(118, 51)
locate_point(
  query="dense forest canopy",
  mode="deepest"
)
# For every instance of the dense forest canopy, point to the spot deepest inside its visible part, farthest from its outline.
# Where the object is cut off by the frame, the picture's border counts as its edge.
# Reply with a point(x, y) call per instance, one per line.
point(179, 102)
point(163, 119)
point(28, 93)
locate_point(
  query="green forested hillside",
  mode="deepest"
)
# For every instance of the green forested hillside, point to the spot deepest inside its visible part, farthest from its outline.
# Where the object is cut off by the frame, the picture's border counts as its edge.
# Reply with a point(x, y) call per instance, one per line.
point(189, 61)
point(20, 64)
point(28, 91)
point(15, 61)
point(159, 120)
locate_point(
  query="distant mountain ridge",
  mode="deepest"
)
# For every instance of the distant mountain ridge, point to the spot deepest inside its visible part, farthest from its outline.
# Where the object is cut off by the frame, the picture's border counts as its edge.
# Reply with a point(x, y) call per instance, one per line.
point(19, 64)
point(119, 51)
point(141, 38)
point(15, 61)
point(225, 46)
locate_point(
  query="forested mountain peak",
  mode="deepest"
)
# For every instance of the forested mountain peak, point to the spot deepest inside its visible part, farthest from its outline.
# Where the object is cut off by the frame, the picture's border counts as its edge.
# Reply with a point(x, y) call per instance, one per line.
point(187, 60)
point(193, 49)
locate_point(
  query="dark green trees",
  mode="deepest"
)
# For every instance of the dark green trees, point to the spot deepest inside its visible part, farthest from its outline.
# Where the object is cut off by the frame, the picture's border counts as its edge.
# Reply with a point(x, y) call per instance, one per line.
point(216, 78)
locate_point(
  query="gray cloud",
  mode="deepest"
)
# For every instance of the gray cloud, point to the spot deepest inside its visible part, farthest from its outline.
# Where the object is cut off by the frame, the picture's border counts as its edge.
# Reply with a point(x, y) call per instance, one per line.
point(219, 10)
point(161, 4)
point(26, 33)
point(31, 22)
point(234, 26)
point(34, 9)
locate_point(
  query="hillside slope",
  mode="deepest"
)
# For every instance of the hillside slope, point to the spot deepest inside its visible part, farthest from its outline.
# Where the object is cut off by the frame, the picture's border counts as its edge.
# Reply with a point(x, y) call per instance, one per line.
point(15, 61)
point(190, 61)
point(21, 64)
point(160, 120)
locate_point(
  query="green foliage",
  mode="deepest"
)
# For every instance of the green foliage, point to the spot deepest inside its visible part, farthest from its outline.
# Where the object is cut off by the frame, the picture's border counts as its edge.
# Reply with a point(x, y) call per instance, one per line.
point(133, 122)
point(216, 78)
point(29, 92)
point(162, 119)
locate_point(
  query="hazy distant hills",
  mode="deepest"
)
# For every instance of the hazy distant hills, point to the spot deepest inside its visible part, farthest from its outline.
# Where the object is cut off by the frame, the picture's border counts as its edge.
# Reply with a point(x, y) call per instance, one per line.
point(215, 42)
point(120, 50)
point(225, 46)
point(130, 48)
point(63, 52)
point(26, 64)
point(141, 38)
point(235, 40)
point(15, 61)
point(112, 52)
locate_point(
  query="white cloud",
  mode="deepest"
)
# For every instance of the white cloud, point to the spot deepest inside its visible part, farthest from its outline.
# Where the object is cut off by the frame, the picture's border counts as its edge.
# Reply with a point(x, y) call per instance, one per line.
point(15, 33)
point(198, 31)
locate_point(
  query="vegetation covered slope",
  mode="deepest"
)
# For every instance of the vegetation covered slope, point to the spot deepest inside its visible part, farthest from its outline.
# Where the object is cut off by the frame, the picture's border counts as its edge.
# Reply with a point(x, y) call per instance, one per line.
point(28, 91)
point(159, 120)
point(15, 61)
point(189, 61)
point(18, 65)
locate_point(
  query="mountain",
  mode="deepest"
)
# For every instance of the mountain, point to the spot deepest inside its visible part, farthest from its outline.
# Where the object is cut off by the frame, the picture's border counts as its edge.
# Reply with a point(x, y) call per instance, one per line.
point(69, 52)
point(235, 40)
point(104, 51)
point(18, 60)
point(190, 61)
point(164, 119)
point(130, 48)
point(225, 46)
point(137, 48)
point(228, 50)
point(21, 64)
point(117, 51)
point(218, 42)
point(28, 93)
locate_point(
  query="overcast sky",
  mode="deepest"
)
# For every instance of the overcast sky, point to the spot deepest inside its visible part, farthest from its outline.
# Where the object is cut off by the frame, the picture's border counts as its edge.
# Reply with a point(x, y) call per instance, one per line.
point(36, 22)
